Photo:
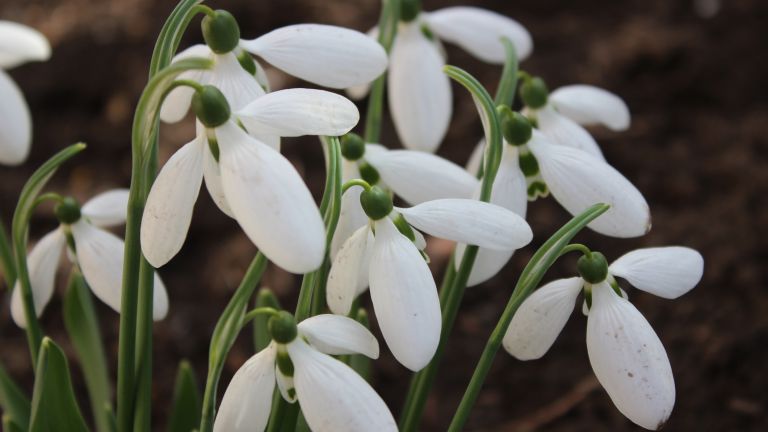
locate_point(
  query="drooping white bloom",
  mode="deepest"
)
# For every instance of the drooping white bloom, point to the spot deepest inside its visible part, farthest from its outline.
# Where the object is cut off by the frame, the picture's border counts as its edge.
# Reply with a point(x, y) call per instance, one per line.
point(97, 252)
point(333, 397)
point(330, 56)
point(570, 107)
point(403, 290)
point(251, 181)
point(626, 355)
point(18, 44)
point(414, 176)
point(418, 90)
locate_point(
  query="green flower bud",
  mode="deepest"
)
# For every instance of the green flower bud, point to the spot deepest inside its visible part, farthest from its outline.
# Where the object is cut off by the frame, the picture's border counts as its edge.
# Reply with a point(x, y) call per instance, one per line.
point(534, 92)
point(515, 127)
point(67, 211)
point(409, 9)
point(369, 173)
point(282, 327)
point(528, 164)
point(211, 107)
point(593, 268)
point(352, 146)
point(221, 32)
point(376, 203)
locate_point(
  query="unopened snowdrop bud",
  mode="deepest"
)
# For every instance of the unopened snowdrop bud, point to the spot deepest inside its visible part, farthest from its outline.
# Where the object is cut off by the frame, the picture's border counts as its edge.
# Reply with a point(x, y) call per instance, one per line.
point(516, 128)
point(352, 146)
point(376, 203)
point(211, 107)
point(410, 9)
point(534, 92)
point(67, 211)
point(593, 267)
point(221, 32)
point(282, 327)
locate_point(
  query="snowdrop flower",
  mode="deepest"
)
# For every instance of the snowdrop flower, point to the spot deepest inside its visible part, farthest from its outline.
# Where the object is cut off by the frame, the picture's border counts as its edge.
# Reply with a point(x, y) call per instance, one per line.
point(248, 179)
point(419, 92)
point(398, 171)
point(326, 55)
point(383, 254)
point(333, 396)
point(18, 44)
point(97, 252)
point(628, 358)
point(560, 115)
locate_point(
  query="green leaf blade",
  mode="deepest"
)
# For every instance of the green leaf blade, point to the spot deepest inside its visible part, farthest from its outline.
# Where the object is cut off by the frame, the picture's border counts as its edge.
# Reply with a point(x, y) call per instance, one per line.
point(185, 411)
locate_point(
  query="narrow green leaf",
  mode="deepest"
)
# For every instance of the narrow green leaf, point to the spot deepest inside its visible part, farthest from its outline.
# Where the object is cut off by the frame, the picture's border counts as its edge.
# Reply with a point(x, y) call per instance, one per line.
point(261, 337)
point(185, 411)
point(505, 94)
point(83, 327)
point(54, 407)
point(14, 403)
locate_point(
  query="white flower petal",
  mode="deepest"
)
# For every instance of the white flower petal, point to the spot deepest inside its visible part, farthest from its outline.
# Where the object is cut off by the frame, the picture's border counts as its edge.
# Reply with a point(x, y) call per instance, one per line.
point(168, 211)
point(404, 297)
point(270, 201)
point(349, 273)
point(578, 181)
point(177, 102)
point(338, 335)
point(333, 396)
point(238, 86)
point(589, 105)
point(541, 318)
point(351, 217)
point(479, 31)
point(476, 158)
point(285, 385)
point(20, 44)
point(360, 91)
point(327, 55)
point(472, 222)
point(107, 208)
point(564, 131)
point(100, 255)
point(212, 176)
point(15, 123)
point(629, 360)
point(419, 91)
point(418, 176)
point(296, 112)
point(41, 265)
point(247, 402)
point(667, 272)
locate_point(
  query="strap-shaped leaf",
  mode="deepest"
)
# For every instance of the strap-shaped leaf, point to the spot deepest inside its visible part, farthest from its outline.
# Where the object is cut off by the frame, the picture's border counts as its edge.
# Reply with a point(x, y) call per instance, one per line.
point(54, 407)
point(83, 327)
point(185, 412)
point(14, 403)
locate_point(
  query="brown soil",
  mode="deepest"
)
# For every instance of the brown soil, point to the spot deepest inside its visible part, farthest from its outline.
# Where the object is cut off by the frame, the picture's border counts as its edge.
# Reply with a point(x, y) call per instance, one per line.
point(697, 150)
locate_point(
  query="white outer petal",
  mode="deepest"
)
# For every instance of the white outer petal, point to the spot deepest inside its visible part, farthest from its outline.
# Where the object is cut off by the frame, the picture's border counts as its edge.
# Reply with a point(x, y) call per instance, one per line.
point(270, 201)
point(296, 112)
point(107, 208)
point(333, 397)
point(100, 255)
point(238, 86)
point(15, 123)
point(479, 31)
point(404, 297)
point(360, 91)
point(419, 91)
point(587, 105)
point(41, 265)
point(578, 181)
point(418, 176)
point(338, 335)
point(564, 131)
point(327, 55)
point(247, 402)
point(541, 318)
point(476, 158)
point(349, 273)
point(168, 211)
point(20, 44)
point(471, 222)
point(629, 360)
point(667, 272)
point(177, 102)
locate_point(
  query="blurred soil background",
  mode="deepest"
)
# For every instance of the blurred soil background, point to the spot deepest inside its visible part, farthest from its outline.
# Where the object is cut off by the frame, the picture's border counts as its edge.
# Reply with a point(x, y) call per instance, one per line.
point(697, 149)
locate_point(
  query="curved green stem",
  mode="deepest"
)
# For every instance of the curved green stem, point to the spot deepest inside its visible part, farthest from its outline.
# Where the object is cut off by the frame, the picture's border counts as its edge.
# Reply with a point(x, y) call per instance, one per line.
point(505, 93)
point(576, 247)
point(529, 279)
point(6, 258)
point(355, 182)
point(388, 22)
